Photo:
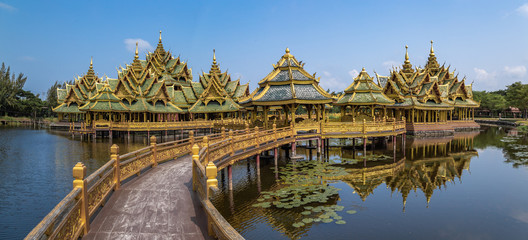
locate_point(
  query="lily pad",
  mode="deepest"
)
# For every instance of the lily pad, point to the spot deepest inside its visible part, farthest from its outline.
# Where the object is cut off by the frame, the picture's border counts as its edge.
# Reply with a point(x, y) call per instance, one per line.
point(340, 222)
point(306, 213)
point(327, 220)
point(351, 211)
point(308, 220)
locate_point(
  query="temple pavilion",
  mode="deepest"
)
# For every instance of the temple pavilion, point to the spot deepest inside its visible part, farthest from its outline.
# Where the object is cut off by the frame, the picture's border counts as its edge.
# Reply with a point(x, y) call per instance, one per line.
point(428, 95)
point(220, 95)
point(284, 90)
point(363, 100)
point(157, 89)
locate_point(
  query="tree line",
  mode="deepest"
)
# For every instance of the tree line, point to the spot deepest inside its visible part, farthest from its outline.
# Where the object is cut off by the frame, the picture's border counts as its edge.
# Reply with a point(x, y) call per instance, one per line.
point(17, 102)
point(496, 102)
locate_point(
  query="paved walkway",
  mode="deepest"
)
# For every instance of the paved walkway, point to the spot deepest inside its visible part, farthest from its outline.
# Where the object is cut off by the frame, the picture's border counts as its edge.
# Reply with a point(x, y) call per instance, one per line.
point(160, 204)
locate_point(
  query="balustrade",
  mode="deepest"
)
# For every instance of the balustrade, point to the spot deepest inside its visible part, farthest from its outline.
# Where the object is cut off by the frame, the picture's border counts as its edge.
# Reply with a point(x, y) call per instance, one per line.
point(70, 218)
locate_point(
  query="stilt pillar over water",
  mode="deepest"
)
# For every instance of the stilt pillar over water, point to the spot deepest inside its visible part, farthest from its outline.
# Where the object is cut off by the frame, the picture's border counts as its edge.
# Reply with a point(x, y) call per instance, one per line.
point(230, 177)
point(365, 146)
point(258, 163)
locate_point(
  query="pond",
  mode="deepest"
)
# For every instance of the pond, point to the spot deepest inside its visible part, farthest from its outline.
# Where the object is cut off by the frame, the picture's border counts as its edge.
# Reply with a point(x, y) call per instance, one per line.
point(36, 173)
point(470, 186)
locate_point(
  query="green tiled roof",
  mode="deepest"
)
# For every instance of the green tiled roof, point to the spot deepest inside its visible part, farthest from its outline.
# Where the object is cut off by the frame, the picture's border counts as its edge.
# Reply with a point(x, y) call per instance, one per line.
point(64, 108)
point(104, 106)
point(213, 106)
point(231, 87)
point(197, 88)
point(61, 94)
point(276, 93)
point(189, 94)
point(240, 90)
point(364, 91)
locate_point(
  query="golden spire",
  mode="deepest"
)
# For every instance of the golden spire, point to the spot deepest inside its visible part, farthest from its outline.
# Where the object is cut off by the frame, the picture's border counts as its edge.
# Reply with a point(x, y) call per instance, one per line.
point(91, 62)
point(287, 50)
point(406, 54)
point(363, 70)
point(432, 64)
point(214, 67)
point(432, 50)
point(407, 66)
point(136, 56)
point(160, 37)
point(214, 56)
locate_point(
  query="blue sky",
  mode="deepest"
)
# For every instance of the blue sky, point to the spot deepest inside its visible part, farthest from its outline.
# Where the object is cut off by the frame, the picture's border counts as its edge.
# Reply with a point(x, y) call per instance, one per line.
point(486, 41)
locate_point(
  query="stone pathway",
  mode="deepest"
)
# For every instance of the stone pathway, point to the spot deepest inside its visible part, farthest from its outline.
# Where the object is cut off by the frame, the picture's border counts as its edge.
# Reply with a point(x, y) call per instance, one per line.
point(160, 204)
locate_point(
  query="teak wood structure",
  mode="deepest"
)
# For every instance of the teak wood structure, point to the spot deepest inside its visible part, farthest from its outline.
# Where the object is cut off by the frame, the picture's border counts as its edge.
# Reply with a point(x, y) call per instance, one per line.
point(158, 93)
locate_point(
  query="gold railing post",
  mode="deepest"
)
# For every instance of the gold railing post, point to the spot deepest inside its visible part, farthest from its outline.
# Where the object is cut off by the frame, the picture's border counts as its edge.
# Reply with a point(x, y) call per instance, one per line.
point(257, 136)
point(205, 143)
point(232, 142)
point(364, 126)
point(154, 150)
point(275, 132)
point(195, 158)
point(191, 138)
point(211, 172)
point(223, 132)
point(114, 155)
point(247, 128)
point(79, 174)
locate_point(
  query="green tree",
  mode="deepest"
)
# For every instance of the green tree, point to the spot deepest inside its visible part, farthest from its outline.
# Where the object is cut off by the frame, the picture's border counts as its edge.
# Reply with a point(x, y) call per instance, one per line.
point(495, 102)
point(51, 98)
point(10, 85)
point(517, 96)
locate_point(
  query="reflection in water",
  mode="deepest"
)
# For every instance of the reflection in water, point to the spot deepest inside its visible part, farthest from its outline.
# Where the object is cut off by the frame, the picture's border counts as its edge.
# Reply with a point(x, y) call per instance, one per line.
point(36, 173)
point(284, 209)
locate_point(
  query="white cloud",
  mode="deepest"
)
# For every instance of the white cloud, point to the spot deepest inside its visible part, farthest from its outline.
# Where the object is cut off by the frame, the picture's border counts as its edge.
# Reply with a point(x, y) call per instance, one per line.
point(481, 74)
point(7, 7)
point(130, 44)
point(494, 80)
point(523, 10)
point(515, 71)
point(328, 81)
point(353, 73)
point(390, 64)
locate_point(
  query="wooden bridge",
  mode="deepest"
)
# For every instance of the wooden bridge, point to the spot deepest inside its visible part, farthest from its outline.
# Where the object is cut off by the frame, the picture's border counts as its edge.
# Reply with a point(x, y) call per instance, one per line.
point(119, 183)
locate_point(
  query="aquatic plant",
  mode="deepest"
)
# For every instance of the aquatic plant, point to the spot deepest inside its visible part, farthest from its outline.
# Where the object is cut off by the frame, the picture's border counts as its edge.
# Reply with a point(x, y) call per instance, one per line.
point(304, 188)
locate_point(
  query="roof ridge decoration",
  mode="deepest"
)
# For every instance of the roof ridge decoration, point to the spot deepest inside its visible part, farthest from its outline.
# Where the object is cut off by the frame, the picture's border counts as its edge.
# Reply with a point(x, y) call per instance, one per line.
point(214, 67)
point(432, 64)
point(364, 90)
point(159, 49)
point(407, 66)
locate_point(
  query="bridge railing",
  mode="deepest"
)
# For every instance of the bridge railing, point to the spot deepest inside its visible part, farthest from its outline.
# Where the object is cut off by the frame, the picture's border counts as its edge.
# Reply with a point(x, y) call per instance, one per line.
point(204, 170)
point(160, 126)
point(71, 217)
point(364, 128)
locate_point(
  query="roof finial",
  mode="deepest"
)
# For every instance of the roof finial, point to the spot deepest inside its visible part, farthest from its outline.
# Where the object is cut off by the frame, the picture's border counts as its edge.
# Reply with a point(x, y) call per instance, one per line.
point(214, 56)
point(160, 36)
point(136, 56)
point(363, 70)
point(287, 50)
point(91, 62)
point(406, 54)
point(432, 50)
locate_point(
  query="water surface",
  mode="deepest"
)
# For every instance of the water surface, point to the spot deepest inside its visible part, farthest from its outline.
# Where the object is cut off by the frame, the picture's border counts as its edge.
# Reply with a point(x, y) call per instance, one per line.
point(36, 173)
point(464, 187)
